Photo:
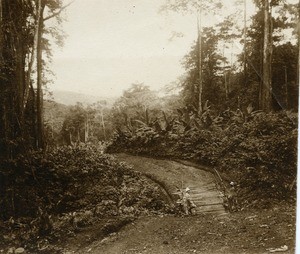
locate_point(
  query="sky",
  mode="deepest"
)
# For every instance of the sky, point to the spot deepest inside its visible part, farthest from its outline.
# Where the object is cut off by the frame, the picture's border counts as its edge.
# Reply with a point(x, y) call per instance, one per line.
point(111, 44)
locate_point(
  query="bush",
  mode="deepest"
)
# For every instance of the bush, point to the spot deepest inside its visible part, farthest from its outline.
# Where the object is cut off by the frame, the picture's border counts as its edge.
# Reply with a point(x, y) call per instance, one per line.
point(256, 150)
point(56, 193)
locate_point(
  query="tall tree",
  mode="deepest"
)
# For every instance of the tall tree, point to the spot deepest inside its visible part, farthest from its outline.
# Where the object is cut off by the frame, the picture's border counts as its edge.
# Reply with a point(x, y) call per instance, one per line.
point(16, 41)
point(212, 71)
point(39, 97)
point(261, 57)
point(265, 98)
point(21, 41)
point(54, 8)
point(133, 105)
point(245, 42)
point(201, 7)
point(200, 86)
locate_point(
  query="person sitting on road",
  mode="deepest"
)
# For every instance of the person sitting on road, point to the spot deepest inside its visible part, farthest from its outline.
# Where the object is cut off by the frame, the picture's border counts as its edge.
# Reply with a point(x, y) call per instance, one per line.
point(188, 204)
point(231, 198)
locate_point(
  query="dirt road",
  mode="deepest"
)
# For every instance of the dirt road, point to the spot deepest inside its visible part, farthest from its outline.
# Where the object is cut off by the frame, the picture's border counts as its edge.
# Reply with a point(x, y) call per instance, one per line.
point(211, 230)
point(173, 176)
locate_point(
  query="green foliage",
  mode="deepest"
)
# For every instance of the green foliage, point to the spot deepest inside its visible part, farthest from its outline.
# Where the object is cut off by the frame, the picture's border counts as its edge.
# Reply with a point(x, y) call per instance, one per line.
point(74, 128)
point(254, 149)
point(54, 117)
point(226, 83)
point(133, 107)
point(79, 123)
point(284, 63)
point(22, 29)
point(285, 88)
point(211, 74)
point(54, 194)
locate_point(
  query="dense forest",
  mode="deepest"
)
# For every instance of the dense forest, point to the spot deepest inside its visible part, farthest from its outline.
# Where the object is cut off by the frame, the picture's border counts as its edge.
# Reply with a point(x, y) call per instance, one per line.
point(237, 115)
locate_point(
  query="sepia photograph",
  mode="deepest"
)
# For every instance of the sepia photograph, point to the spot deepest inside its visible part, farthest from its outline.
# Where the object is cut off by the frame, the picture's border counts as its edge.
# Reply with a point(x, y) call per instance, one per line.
point(149, 126)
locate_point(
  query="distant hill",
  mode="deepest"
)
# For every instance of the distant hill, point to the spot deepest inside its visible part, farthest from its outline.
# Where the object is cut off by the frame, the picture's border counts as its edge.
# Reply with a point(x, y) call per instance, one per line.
point(71, 98)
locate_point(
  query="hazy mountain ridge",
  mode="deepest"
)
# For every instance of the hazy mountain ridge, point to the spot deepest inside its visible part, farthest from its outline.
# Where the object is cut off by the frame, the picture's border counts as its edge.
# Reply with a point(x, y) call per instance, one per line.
point(71, 98)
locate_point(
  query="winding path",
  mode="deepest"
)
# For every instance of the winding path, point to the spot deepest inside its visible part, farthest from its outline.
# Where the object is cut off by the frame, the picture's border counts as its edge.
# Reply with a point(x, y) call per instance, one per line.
point(206, 233)
point(173, 175)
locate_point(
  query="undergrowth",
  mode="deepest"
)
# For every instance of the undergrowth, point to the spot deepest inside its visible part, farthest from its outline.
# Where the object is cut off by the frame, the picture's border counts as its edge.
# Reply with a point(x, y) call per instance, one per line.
point(255, 150)
point(57, 193)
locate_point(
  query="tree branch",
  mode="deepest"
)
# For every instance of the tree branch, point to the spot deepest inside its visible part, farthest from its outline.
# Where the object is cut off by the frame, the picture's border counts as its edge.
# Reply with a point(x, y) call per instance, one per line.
point(57, 13)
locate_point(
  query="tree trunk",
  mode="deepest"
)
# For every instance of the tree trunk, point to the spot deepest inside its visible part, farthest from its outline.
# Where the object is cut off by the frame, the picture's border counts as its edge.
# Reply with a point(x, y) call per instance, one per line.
point(245, 43)
point(20, 78)
point(39, 98)
point(86, 129)
point(298, 32)
point(78, 136)
point(266, 86)
point(286, 88)
point(1, 33)
point(226, 86)
point(31, 59)
point(200, 88)
point(103, 124)
point(11, 78)
point(3, 151)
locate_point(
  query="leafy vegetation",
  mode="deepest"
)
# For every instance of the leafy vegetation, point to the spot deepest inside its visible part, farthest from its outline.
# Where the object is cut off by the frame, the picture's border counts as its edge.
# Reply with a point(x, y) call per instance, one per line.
point(67, 189)
point(255, 150)
point(224, 116)
point(74, 124)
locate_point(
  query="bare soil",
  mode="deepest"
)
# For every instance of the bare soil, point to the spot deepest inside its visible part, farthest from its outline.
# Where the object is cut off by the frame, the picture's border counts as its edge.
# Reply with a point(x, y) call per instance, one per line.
point(211, 230)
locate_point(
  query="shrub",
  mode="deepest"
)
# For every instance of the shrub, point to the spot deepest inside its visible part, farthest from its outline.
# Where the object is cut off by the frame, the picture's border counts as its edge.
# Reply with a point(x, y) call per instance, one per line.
point(256, 150)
